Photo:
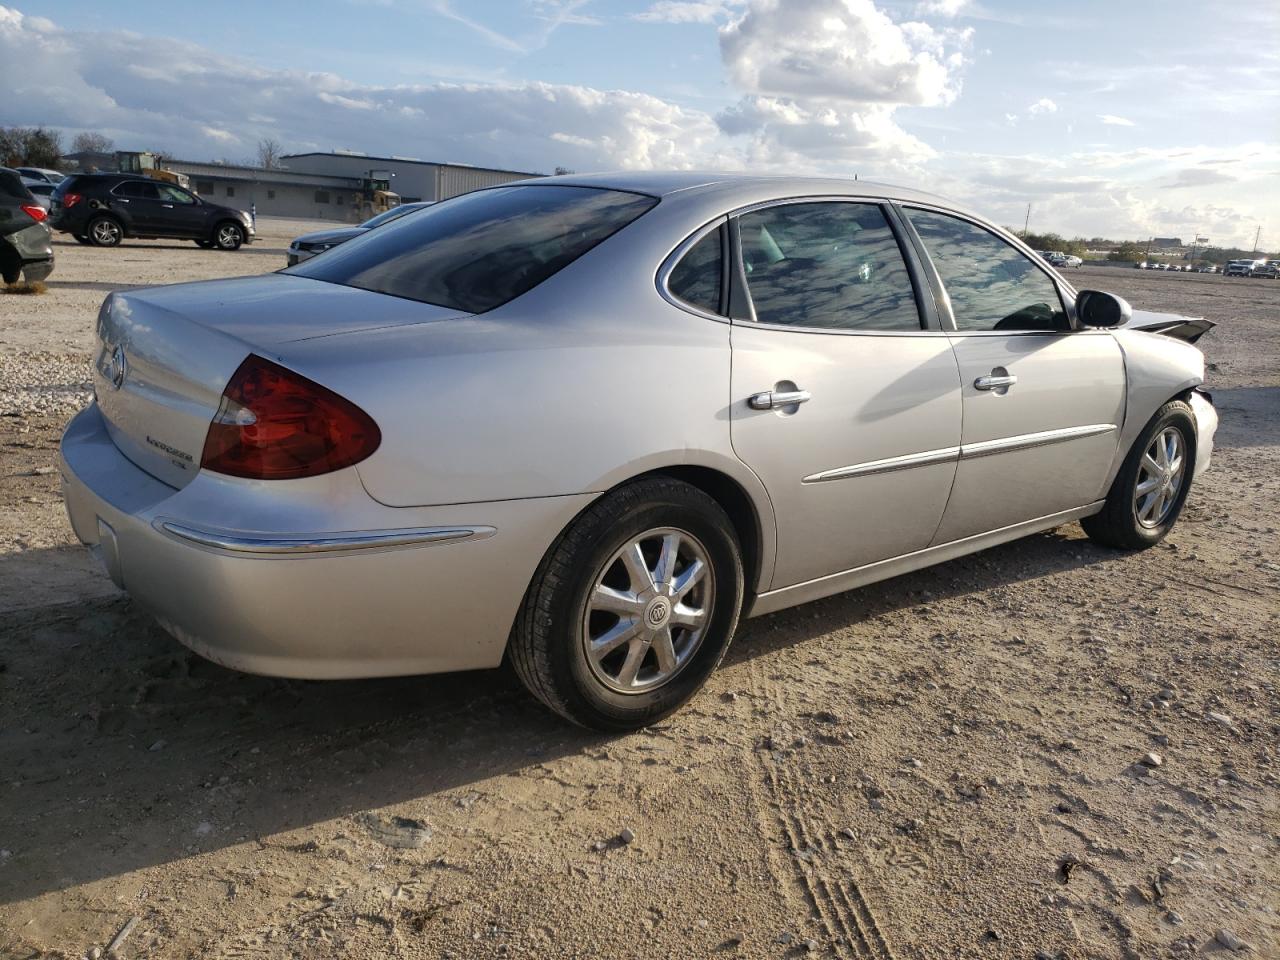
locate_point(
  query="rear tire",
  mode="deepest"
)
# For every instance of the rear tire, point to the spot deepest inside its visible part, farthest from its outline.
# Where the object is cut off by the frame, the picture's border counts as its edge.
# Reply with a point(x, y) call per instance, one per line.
point(1148, 493)
point(228, 236)
point(105, 232)
point(607, 585)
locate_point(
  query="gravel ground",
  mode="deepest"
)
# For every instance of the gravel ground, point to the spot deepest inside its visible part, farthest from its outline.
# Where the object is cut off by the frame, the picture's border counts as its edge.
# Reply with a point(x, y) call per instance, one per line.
point(1045, 750)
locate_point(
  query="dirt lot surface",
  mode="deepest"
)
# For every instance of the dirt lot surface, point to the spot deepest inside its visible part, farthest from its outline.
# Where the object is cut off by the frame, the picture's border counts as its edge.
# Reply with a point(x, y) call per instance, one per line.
point(949, 764)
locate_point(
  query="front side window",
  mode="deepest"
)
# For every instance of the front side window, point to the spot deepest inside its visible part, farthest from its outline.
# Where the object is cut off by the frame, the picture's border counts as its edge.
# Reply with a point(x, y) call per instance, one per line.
point(828, 265)
point(171, 194)
point(480, 250)
point(697, 277)
point(992, 284)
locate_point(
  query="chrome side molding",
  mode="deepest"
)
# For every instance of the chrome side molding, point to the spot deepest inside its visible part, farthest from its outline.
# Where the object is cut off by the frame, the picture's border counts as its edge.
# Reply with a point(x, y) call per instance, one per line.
point(1026, 440)
point(319, 543)
point(966, 451)
point(887, 465)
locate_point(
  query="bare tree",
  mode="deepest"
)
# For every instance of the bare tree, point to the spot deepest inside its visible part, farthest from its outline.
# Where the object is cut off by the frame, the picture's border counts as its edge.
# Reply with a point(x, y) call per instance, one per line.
point(268, 153)
point(91, 141)
point(29, 147)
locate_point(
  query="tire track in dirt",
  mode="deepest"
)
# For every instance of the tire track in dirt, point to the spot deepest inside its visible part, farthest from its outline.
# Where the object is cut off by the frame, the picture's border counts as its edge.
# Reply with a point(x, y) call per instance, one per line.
point(838, 900)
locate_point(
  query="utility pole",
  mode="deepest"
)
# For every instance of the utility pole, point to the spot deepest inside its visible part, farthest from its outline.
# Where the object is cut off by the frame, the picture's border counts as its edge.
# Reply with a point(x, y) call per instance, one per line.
point(1026, 225)
point(1256, 236)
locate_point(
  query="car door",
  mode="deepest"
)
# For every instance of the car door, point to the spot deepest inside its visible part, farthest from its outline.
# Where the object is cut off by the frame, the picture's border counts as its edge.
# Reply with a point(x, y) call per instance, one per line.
point(138, 202)
point(1043, 402)
point(180, 214)
point(844, 402)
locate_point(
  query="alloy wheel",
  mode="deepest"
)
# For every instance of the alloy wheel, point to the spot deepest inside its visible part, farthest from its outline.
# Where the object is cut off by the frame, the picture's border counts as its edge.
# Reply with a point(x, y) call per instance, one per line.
point(106, 232)
point(1160, 476)
point(228, 236)
point(648, 611)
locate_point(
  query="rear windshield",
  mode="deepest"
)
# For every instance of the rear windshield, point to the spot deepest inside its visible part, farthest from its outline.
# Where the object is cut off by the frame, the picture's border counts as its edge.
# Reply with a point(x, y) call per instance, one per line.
point(12, 187)
point(481, 250)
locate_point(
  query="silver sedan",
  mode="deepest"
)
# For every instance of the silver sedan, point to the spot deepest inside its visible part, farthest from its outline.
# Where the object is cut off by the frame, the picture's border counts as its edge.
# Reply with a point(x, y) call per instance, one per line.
point(588, 423)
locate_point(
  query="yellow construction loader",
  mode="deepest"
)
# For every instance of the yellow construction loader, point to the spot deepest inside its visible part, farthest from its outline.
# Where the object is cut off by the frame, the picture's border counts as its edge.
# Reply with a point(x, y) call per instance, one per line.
point(151, 165)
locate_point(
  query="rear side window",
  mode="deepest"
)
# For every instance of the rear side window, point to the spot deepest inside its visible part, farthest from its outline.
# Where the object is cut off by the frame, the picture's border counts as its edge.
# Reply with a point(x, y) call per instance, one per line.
point(992, 285)
point(137, 190)
point(697, 277)
point(827, 265)
point(480, 250)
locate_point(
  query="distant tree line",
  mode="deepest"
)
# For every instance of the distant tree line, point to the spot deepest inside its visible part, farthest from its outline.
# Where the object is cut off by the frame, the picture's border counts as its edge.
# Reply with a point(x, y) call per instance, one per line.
point(1053, 241)
point(41, 147)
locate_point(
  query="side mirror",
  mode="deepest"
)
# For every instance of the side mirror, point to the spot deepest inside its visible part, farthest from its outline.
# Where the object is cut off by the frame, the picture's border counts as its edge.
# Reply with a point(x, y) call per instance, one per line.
point(1098, 309)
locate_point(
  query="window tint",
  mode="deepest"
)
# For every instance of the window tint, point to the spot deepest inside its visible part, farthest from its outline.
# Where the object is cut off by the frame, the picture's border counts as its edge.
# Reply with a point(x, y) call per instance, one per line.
point(171, 194)
point(991, 284)
point(137, 190)
point(480, 250)
point(11, 186)
point(832, 265)
point(696, 278)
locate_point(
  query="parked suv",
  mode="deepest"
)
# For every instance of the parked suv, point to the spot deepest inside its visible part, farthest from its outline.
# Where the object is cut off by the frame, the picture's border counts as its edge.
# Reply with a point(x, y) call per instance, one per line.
point(1238, 268)
point(1269, 269)
point(26, 243)
point(104, 208)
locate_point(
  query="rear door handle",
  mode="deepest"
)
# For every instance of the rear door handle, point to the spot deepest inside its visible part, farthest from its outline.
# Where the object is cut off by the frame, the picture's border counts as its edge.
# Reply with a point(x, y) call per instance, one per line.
point(772, 399)
point(995, 382)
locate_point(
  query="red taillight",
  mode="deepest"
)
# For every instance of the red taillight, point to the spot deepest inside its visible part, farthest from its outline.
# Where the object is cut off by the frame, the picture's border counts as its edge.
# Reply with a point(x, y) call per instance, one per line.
point(274, 424)
point(34, 211)
point(69, 200)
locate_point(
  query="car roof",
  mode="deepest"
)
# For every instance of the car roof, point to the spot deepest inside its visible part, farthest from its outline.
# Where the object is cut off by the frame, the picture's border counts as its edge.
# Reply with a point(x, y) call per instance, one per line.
point(663, 183)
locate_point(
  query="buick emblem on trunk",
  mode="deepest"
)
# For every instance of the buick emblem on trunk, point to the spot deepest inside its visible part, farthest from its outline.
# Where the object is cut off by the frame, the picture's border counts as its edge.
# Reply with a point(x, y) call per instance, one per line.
point(117, 367)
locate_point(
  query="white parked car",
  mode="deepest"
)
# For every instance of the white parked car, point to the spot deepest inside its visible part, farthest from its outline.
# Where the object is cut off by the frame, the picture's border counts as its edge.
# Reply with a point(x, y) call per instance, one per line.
point(587, 423)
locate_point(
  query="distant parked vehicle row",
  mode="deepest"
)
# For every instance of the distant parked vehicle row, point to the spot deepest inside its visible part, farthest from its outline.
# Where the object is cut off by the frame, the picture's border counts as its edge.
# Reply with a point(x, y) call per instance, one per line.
point(309, 244)
point(1174, 267)
point(1249, 268)
point(103, 208)
point(26, 243)
point(1061, 260)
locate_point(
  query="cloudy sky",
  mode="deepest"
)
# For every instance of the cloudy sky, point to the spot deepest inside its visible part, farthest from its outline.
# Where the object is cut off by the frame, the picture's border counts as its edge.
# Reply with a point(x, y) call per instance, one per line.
point(1117, 119)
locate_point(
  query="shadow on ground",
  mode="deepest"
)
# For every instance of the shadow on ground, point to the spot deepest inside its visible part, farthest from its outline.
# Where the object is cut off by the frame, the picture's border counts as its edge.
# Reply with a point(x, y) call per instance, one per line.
point(102, 708)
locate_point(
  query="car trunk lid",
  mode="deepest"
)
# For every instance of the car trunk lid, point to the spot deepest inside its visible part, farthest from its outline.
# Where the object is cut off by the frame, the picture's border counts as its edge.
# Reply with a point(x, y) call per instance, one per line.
point(164, 355)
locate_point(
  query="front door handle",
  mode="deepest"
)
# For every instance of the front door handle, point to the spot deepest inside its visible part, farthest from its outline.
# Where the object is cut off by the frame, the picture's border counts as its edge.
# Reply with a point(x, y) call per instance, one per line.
point(773, 399)
point(995, 381)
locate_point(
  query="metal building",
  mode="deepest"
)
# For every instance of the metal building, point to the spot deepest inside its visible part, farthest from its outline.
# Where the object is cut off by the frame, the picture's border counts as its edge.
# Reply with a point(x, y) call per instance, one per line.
point(274, 193)
point(412, 179)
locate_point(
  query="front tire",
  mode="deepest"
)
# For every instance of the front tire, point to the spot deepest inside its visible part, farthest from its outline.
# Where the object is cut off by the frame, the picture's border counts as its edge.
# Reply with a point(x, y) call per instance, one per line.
point(228, 236)
point(1147, 495)
point(632, 608)
point(105, 232)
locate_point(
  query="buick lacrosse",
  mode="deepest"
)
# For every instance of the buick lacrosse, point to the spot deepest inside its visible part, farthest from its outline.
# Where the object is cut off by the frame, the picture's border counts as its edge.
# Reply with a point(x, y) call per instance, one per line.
point(586, 423)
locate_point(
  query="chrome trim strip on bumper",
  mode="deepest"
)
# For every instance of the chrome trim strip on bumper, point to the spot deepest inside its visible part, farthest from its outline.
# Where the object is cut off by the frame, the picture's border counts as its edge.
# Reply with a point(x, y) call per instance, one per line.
point(964, 452)
point(885, 466)
point(310, 544)
point(1027, 440)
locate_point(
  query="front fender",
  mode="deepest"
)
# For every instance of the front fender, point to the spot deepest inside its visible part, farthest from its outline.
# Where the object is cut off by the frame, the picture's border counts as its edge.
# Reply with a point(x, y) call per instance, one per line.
point(1157, 369)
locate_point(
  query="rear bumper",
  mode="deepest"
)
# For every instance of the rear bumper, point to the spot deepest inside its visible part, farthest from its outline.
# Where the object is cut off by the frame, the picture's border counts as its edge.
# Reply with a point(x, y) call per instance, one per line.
point(237, 571)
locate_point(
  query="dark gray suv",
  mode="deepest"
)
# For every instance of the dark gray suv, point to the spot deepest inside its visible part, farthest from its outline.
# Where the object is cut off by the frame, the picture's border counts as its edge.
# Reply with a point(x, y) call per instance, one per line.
point(26, 243)
point(104, 208)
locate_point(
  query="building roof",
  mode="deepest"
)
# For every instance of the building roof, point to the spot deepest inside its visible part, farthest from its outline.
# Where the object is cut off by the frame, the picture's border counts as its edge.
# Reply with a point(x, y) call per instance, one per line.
point(233, 171)
point(422, 163)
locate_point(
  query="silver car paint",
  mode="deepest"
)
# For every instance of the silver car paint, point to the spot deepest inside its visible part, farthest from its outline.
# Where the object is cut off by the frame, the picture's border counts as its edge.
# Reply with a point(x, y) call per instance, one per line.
point(514, 421)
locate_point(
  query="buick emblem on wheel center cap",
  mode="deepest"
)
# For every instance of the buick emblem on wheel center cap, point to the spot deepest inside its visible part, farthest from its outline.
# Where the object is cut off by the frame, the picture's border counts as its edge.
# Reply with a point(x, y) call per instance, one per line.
point(658, 612)
point(118, 367)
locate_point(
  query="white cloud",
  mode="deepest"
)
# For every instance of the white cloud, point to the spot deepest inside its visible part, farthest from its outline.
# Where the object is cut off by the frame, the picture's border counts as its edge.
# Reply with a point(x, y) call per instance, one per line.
point(687, 11)
point(221, 136)
point(941, 8)
point(1043, 105)
point(1111, 120)
point(840, 50)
